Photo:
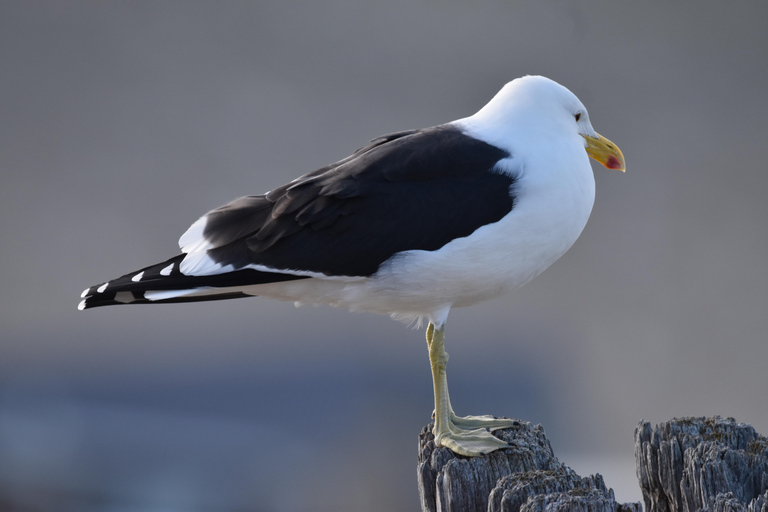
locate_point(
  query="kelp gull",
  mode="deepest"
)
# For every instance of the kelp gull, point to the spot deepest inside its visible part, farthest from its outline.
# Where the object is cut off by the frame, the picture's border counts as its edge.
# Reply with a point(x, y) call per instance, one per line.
point(412, 225)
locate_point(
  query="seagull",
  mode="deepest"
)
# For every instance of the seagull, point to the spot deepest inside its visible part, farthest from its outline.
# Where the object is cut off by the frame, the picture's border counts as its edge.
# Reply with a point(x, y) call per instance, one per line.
point(412, 225)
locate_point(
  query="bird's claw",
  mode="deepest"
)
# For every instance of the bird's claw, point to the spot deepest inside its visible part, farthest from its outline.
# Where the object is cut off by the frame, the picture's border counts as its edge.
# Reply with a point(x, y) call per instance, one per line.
point(471, 435)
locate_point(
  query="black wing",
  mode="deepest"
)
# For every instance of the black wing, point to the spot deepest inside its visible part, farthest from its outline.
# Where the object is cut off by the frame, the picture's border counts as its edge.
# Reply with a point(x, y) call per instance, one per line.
point(411, 190)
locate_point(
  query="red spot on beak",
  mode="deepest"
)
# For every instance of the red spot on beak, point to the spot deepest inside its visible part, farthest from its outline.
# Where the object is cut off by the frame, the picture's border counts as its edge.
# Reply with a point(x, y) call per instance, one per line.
point(613, 163)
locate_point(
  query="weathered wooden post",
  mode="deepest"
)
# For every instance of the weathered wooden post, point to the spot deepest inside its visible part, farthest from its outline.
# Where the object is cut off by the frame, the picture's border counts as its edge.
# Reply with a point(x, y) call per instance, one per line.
point(691, 464)
point(525, 477)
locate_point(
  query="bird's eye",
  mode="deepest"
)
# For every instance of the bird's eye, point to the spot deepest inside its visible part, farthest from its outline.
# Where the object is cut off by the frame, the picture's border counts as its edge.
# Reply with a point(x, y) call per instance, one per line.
point(577, 116)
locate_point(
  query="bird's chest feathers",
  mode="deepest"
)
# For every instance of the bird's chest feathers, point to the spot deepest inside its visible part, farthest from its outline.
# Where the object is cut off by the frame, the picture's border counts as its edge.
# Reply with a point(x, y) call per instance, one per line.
point(551, 210)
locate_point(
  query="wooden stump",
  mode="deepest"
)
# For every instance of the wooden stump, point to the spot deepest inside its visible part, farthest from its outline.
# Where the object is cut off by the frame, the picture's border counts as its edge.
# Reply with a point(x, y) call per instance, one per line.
point(526, 477)
point(692, 464)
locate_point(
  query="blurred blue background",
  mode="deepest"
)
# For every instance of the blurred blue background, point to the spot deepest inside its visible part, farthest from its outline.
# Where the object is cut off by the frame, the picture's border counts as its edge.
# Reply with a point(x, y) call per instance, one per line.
point(122, 122)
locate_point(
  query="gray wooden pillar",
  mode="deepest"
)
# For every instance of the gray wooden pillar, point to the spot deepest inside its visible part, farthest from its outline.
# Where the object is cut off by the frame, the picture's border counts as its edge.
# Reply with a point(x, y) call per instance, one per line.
point(526, 477)
point(708, 464)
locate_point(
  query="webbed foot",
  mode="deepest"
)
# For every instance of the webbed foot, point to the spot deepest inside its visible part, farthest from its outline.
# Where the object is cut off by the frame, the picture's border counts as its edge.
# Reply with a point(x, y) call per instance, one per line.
point(471, 435)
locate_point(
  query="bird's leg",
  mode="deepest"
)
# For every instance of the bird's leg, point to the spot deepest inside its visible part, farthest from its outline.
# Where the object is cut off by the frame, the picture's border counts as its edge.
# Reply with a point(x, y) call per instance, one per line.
point(438, 360)
point(469, 435)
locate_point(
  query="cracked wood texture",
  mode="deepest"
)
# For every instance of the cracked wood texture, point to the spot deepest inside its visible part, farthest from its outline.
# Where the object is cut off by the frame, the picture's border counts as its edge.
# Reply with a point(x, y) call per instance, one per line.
point(702, 464)
point(525, 477)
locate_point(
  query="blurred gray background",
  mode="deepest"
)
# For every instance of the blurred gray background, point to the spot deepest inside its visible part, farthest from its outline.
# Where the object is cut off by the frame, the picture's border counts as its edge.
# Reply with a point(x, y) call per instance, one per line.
point(122, 122)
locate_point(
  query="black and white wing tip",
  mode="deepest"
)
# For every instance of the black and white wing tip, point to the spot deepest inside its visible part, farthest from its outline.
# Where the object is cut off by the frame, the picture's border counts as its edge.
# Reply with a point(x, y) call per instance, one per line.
point(165, 283)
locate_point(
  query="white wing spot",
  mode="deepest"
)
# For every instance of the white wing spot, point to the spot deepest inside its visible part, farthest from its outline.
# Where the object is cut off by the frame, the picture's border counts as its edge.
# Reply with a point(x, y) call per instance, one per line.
point(81, 306)
point(101, 288)
point(85, 292)
point(124, 297)
point(137, 277)
point(167, 270)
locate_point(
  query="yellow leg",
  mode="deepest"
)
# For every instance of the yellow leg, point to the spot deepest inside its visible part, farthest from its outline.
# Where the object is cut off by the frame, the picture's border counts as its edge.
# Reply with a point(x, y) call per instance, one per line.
point(468, 435)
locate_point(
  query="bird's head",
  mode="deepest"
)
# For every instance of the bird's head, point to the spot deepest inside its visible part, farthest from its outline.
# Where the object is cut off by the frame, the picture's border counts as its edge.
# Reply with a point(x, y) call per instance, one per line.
point(543, 106)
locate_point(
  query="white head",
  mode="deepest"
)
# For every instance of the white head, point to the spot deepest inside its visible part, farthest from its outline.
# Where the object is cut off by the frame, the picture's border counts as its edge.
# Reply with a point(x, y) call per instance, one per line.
point(536, 108)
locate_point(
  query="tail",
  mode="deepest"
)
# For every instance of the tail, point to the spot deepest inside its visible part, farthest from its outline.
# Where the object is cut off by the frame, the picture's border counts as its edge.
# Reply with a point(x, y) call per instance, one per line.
point(164, 283)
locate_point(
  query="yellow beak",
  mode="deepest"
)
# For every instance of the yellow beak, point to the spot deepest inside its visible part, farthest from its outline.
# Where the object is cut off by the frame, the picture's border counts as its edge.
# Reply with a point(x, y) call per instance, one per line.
point(605, 152)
